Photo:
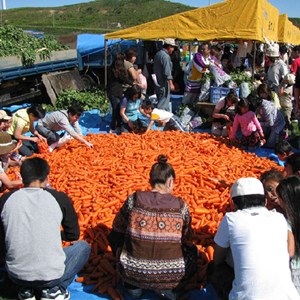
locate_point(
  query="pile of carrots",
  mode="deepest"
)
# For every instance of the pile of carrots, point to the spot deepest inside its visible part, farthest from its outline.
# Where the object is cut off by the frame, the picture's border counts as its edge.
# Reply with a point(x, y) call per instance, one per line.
point(99, 180)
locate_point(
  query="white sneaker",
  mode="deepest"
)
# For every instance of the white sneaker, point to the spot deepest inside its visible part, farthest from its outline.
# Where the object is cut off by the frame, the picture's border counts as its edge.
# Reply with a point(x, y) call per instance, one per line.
point(64, 140)
point(53, 146)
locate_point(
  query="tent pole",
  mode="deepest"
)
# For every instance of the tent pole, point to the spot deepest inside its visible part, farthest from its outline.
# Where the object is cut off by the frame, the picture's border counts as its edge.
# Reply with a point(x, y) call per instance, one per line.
point(254, 59)
point(105, 68)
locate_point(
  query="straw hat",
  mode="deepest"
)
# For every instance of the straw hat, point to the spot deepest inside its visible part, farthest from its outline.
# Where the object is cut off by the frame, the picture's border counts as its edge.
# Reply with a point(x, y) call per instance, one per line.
point(273, 50)
point(6, 143)
point(4, 116)
point(170, 42)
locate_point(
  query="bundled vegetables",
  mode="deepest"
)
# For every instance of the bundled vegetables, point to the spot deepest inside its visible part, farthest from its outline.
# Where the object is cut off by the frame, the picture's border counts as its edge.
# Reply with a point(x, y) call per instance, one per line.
point(15, 41)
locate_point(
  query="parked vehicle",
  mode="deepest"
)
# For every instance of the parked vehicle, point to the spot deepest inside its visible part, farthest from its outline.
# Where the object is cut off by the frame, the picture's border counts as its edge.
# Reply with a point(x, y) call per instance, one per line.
point(42, 81)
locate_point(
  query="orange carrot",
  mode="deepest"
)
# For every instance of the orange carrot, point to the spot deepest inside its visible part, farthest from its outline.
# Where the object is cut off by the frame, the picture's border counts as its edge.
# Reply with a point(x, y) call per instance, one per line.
point(99, 180)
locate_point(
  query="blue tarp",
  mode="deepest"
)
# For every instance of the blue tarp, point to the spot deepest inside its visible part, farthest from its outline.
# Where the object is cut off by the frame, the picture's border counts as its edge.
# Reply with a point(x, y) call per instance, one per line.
point(88, 43)
point(81, 292)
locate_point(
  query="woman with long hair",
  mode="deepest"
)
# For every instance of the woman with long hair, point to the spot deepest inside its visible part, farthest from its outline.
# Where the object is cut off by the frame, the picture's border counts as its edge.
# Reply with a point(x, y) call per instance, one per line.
point(117, 77)
point(150, 237)
point(288, 192)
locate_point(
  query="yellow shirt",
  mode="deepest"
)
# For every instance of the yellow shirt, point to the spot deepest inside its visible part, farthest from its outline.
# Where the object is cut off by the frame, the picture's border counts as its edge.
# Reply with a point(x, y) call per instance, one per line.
point(21, 120)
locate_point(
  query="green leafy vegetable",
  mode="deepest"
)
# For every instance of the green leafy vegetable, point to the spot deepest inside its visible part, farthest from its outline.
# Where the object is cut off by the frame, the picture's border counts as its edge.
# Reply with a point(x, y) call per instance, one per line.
point(15, 41)
point(92, 99)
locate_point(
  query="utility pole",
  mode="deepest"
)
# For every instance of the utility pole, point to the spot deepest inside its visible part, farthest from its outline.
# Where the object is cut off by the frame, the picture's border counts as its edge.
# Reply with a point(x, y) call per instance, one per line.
point(3, 8)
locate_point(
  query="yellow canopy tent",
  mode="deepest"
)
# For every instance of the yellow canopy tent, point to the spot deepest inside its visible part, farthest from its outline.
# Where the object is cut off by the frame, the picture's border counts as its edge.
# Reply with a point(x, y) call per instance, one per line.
point(231, 19)
point(288, 33)
point(296, 35)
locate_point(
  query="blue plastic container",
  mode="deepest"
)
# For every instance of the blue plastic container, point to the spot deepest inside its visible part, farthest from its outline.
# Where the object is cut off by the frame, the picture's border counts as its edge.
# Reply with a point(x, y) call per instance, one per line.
point(216, 93)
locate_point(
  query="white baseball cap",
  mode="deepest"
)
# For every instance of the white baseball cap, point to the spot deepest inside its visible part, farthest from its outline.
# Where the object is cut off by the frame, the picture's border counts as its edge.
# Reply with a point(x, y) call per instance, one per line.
point(247, 186)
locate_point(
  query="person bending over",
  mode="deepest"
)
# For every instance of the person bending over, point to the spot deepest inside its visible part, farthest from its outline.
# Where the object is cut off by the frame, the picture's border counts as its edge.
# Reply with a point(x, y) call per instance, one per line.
point(66, 120)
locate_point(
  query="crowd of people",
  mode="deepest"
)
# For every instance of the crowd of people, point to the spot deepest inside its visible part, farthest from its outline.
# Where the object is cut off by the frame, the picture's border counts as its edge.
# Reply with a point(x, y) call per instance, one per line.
point(259, 242)
point(268, 113)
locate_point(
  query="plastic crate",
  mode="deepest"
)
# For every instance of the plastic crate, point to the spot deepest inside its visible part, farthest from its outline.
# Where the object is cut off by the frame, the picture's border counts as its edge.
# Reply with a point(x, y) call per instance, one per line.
point(216, 93)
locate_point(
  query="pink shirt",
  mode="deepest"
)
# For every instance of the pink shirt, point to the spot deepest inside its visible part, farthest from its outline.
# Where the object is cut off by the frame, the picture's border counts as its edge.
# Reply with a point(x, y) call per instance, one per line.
point(248, 123)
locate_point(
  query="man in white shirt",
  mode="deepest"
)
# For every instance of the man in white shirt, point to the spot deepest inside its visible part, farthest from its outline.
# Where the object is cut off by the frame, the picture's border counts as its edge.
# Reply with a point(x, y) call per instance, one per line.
point(258, 240)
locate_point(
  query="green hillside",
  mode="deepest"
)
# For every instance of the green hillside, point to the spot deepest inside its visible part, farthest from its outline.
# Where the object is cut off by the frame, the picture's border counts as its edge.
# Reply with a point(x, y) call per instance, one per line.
point(98, 16)
point(295, 21)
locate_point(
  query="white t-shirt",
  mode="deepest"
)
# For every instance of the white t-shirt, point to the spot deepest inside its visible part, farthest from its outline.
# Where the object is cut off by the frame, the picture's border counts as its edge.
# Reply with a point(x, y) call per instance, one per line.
point(221, 104)
point(161, 115)
point(257, 238)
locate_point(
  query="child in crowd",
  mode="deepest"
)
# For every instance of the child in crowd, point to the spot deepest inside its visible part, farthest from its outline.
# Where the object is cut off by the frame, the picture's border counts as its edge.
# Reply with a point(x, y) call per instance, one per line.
point(223, 114)
point(288, 192)
point(166, 119)
point(264, 91)
point(130, 108)
point(292, 165)
point(252, 133)
point(270, 180)
point(283, 150)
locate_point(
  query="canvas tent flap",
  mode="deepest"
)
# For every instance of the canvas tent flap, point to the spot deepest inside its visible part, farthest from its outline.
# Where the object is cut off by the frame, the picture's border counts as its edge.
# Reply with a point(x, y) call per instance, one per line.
point(284, 33)
point(288, 33)
point(295, 34)
point(231, 19)
point(268, 19)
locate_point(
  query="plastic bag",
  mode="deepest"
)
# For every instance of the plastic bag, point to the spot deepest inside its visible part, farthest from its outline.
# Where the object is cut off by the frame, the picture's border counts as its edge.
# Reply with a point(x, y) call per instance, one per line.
point(186, 116)
point(244, 89)
point(220, 77)
point(196, 122)
point(205, 90)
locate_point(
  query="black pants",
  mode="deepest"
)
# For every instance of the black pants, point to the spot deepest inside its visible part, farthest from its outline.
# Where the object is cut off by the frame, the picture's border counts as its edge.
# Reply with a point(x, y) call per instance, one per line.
point(116, 119)
point(28, 148)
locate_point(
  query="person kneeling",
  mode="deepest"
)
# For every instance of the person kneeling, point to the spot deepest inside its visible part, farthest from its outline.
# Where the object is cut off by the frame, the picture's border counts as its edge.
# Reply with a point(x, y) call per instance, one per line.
point(150, 237)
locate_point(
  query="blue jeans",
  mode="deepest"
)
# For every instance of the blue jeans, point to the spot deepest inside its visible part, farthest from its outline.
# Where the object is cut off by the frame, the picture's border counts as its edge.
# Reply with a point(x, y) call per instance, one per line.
point(76, 256)
point(163, 95)
point(116, 119)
